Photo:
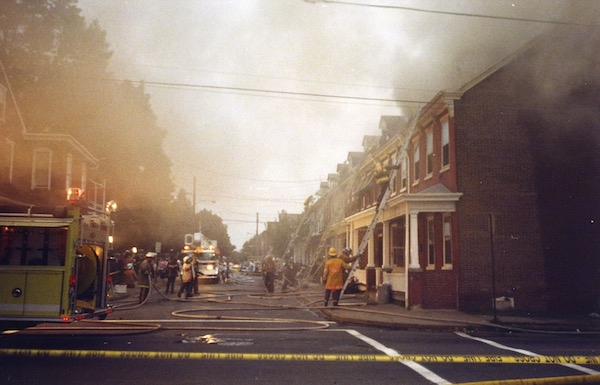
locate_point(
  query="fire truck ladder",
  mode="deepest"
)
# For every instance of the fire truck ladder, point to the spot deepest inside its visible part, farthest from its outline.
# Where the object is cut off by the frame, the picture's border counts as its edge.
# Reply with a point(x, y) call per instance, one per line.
point(382, 204)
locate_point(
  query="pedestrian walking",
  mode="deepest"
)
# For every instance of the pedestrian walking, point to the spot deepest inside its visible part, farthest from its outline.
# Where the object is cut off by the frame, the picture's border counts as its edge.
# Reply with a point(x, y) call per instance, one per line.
point(333, 276)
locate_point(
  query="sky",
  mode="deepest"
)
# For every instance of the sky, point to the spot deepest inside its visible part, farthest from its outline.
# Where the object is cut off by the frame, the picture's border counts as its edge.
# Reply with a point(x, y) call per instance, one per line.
point(262, 99)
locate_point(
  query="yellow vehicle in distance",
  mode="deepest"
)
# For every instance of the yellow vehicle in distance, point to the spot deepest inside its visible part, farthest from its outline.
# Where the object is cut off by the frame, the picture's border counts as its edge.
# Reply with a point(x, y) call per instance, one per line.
point(54, 266)
point(206, 259)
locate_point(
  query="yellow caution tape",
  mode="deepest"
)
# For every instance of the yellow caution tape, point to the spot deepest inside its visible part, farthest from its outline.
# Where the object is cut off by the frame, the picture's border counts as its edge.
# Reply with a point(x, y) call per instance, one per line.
point(564, 380)
point(438, 359)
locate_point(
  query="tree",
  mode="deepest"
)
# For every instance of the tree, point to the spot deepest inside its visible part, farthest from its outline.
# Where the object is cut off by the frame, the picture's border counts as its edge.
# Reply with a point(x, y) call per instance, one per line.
point(56, 63)
point(212, 227)
point(278, 234)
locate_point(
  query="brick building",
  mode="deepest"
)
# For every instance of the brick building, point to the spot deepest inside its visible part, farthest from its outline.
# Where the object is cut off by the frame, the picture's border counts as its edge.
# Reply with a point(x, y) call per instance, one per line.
point(496, 195)
point(37, 166)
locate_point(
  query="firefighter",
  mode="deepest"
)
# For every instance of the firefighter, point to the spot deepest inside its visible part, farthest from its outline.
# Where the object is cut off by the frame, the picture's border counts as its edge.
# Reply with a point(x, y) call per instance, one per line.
point(269, 273)
point(289, 274)
point(382, 178)
point(195, 274)
point(333, 276)
point(186, 278)
point(146, 273)
point(129, 276)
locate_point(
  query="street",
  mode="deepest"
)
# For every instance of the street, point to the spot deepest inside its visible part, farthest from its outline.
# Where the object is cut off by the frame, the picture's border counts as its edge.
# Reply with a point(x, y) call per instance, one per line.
point(234, 333)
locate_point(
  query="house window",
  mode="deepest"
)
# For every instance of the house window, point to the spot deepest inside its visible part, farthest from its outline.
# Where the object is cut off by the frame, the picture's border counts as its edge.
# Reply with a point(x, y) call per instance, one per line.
point(430, 243)
point(398, 246)
point(429, 164)
point(69, 176)
point(42, 169)
point(447, 241)
point(403, 175)
point(83, 176)
point(7, 156)
point(416, 157)
point(445, 145)
point(2, 103)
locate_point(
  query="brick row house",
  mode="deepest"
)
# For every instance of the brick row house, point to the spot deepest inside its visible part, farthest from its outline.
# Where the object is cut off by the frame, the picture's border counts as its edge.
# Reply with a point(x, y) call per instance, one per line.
point(481, 210)
point(37, 168)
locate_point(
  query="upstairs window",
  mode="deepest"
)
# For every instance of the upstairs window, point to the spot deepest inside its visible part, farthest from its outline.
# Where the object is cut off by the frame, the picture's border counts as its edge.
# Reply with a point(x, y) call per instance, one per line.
point(83, 176)
point(403, 175)
point(416, 158)
point(42, 169)
point(445, 150)
point(69, 176)
point(429, 153)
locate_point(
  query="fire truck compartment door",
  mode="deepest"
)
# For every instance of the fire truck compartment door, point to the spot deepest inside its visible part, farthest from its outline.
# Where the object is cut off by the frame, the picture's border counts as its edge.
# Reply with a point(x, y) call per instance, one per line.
point(32, 293)
point(12, 293)
point(43, 293)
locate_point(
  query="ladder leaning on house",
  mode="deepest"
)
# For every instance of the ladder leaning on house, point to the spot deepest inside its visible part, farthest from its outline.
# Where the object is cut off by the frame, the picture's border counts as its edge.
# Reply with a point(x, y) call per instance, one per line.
point(381, 205)
point(315, 268)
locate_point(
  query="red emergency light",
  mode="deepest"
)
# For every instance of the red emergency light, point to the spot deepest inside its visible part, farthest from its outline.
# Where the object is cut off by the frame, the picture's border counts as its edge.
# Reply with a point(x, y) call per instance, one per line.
point(74, 195)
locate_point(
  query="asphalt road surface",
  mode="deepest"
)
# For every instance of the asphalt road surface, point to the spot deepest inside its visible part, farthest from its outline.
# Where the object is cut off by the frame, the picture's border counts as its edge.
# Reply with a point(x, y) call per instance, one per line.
point(234, 333)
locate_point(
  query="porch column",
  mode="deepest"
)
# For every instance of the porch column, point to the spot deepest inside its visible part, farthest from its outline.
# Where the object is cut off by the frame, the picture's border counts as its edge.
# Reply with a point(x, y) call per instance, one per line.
point(371, 248)
point(414, 242)
point(387, 258)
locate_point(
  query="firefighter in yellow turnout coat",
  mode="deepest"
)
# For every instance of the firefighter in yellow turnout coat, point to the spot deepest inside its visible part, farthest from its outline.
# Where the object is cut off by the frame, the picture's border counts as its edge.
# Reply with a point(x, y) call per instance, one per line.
point(333, 277)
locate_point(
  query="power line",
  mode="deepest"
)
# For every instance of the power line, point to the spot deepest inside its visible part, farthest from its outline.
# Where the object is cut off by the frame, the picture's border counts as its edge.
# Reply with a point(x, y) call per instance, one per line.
point(449, 13)
point(282, 78)
point(263, 92)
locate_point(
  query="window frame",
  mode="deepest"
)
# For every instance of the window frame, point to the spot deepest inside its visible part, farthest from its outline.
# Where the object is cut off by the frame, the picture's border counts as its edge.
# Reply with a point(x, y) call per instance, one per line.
point(416, 161)
point(69, 172)
point(36, 169)
point(430, 242)
point(429, 159)
point(444, 145)
point(403, 174)
point(447, 241)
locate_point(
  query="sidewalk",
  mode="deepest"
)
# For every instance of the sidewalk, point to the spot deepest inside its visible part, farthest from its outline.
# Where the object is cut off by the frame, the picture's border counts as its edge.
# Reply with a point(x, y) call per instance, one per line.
point(361, 310)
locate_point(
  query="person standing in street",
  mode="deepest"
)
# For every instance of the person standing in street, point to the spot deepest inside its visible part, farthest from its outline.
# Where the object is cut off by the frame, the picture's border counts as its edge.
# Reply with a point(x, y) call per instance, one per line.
point(172, 273)
point(195, 272)
point(289, 274)
point(145, 275)
point(269, 273)
point(333, 277)
point(186, 278)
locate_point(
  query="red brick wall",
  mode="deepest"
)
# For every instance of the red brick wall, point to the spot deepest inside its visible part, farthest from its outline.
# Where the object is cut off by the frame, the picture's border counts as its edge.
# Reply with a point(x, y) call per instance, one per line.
point(495, 174)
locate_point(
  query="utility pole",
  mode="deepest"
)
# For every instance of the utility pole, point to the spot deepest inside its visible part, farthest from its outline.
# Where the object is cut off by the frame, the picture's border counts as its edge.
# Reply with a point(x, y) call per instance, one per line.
point(256, 245)
point(194, 197)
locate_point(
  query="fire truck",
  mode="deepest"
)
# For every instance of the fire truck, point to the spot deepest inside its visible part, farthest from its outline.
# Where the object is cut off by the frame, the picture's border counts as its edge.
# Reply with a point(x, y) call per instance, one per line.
point(205, 257)
point(54, 266)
